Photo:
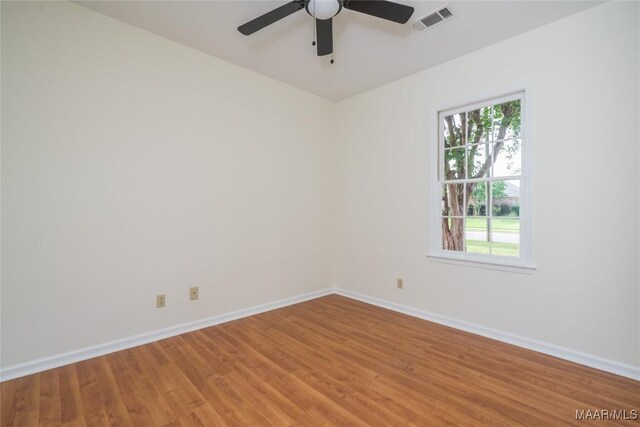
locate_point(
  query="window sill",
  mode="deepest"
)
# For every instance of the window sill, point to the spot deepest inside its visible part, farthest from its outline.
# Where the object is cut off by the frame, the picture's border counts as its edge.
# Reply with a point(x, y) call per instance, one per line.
point(488, 264)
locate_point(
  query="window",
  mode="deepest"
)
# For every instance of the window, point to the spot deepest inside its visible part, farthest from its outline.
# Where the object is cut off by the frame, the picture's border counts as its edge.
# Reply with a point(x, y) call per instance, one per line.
point(482, 195)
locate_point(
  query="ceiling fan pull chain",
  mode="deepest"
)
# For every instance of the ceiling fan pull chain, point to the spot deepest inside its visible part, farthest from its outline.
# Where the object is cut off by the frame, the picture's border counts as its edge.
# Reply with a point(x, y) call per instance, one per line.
point(332, 61)
point(313, 43)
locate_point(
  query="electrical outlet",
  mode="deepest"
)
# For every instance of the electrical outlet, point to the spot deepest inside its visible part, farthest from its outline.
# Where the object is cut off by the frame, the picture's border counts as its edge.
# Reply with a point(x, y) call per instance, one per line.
point(193, 293)
point(160, 301)
point(399, 283)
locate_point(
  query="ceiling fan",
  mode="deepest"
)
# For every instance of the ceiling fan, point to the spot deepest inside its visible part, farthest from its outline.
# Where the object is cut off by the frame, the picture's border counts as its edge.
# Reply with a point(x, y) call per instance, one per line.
point(324, 10)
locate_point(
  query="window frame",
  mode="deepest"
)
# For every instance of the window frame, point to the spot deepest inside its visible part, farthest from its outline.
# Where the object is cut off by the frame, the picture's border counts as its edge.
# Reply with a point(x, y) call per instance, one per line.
point(523, 263)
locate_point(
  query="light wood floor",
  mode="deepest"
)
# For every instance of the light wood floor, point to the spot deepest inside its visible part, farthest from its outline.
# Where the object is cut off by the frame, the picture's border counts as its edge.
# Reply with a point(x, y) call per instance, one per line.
point(330, 361)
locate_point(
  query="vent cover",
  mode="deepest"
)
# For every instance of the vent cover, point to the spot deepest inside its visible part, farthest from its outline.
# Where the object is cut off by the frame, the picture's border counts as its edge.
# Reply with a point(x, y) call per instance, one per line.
point(445, 13)
point(431, 19)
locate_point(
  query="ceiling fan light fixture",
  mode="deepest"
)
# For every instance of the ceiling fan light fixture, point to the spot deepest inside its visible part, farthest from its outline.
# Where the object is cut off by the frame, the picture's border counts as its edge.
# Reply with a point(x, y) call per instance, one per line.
point(323, 9)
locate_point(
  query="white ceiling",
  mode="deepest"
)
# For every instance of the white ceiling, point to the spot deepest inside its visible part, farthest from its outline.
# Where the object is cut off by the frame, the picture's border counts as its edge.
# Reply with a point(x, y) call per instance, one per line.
point(368, 51)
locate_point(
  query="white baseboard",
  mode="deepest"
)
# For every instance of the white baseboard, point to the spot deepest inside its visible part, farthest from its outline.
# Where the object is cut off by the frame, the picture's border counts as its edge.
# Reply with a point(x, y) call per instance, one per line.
point(39, 365)
point(607, 365)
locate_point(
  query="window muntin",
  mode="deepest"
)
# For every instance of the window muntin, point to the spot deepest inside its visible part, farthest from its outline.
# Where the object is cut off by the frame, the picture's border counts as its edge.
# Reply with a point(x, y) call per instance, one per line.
point(481, 179)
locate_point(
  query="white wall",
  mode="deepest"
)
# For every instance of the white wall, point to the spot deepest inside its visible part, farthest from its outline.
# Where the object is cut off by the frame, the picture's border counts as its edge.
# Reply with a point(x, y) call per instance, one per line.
point(585, 293)
point(134, 166)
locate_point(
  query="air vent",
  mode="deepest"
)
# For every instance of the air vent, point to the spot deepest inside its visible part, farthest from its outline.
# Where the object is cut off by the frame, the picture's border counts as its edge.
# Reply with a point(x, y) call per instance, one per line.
point(431, 19)
point(445, 13)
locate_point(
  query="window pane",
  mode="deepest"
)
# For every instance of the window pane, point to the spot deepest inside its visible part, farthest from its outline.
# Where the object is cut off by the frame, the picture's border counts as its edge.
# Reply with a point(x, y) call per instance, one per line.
point(476, 198)
point(452, 199)
point(477, 155)
point(477, 236)
point(505, 236)
point(479, 125)
point(454, 163)
point(480, 172)
point(508, 160)
point(454, 130)
point(452, 234)
point(505, 198)
point(506, 123)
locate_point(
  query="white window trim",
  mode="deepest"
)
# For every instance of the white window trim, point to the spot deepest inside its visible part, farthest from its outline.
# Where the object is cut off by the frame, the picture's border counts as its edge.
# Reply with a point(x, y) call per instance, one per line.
point(524, 263)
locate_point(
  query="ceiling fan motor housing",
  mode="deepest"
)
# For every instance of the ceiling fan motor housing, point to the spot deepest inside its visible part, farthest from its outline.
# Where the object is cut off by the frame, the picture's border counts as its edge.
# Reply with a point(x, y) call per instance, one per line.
point(323, 9)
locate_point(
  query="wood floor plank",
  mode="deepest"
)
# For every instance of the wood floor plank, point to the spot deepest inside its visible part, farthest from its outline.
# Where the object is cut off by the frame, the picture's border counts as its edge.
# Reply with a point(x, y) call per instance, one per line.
point(28, 402)
point(325, 362)
point(70, 399)
point(93, 409)
point(8, 402)
point(50, 406)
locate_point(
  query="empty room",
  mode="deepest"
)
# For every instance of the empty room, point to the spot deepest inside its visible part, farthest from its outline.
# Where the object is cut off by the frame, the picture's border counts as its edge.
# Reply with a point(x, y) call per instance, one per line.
point(320, 212)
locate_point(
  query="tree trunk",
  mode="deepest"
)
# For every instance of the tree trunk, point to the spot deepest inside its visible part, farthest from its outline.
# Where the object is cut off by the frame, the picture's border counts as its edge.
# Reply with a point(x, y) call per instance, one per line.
point(452, 236)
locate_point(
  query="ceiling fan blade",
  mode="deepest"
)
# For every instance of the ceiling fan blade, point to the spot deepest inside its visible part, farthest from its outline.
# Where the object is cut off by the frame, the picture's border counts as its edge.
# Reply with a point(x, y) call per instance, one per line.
point(324, 32)
point(388, 10)
point(270, 17)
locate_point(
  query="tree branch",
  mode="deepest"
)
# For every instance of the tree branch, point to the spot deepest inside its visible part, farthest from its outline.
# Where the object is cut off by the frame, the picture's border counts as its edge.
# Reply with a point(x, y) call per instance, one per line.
point(508, 109)
point(453, 131)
